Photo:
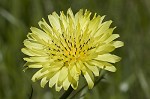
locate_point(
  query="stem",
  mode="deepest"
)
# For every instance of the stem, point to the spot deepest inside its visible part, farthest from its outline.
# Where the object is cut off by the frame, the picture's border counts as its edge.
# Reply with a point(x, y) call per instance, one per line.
point(95, 83)
point(78, 91)
point(30, 97)
point(67, 93)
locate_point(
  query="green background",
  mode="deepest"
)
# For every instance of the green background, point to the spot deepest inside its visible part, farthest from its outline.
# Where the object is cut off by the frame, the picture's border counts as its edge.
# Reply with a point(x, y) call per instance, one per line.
point(132, 18)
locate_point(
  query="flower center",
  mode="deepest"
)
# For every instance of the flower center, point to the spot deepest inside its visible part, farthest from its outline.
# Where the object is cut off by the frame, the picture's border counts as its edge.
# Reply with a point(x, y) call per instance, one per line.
point(75, 54)
point(70, 49)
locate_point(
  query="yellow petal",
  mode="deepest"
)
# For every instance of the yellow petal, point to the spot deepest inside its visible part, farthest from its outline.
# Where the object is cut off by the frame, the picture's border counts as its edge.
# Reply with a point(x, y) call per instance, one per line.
point(108, 57)
point(93, 25)
point(74, 84)
point(31, 37)
point(41, 34)
point(37, 59)
point(38, 75)
point(63, 22)
point(117, 44)
point(70, 13)
point(54, 21)
point(88, 77)
point(66, 84)
point(111, 38)
point(40, 58)
point(84, 20)
point(49, 75)
point(109, 67)
point(82, 66)
point(33, 52)
point(94, 69)
point(103, 65)
point(102, 18)
point(33, 65)
point(74, 73)
point(58, 88)
point(63, 74)
point(54, 79)
point(54, 68)
point(78, 16)
point(105, 48)
point(33, 45)
point(104, 27)
point(35, 37)
point(28, 52)
point(43, 82)
point(47, 29)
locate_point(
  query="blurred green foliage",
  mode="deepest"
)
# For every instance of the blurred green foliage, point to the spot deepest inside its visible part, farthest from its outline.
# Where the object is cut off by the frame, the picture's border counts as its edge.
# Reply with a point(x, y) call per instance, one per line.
point(132, 18)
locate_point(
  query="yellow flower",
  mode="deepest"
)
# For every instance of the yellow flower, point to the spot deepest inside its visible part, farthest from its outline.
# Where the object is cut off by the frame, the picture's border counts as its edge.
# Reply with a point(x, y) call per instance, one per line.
point(69, 46)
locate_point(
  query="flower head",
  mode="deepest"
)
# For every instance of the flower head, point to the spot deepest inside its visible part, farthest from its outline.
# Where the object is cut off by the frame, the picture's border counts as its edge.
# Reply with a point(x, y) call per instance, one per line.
point(68, 46)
